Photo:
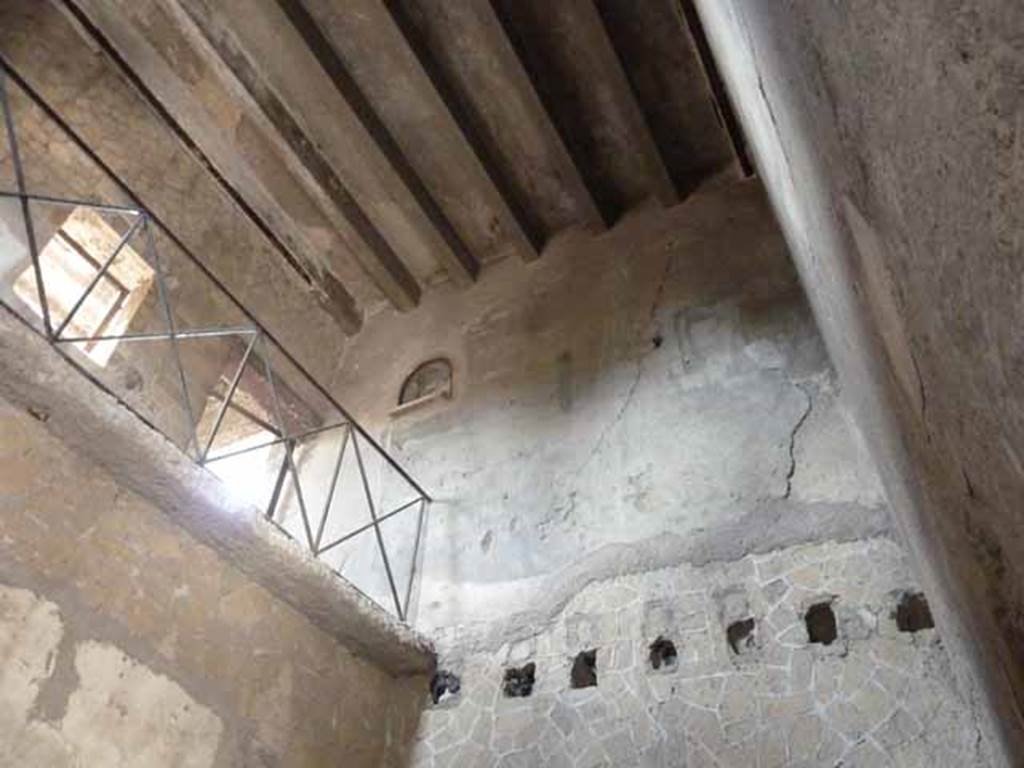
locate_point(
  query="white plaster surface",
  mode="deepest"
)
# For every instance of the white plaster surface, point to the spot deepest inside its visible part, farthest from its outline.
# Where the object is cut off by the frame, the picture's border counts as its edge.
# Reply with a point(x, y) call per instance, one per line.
point(661, 387)
point(30, 630)
point(124, 714)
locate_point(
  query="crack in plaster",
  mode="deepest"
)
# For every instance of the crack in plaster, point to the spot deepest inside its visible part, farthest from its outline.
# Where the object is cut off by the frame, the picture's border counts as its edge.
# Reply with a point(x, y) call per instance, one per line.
point(631, 392)
point(921, 393)
point(626, 402)
point(792, 440)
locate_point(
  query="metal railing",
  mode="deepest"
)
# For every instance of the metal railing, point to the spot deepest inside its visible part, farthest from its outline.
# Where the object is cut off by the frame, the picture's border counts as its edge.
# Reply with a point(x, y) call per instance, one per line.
point(246, 409)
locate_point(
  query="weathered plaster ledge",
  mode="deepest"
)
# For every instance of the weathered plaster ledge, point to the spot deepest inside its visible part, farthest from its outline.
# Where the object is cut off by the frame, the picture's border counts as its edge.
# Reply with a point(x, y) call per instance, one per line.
point(38, 378)
point(768, 527)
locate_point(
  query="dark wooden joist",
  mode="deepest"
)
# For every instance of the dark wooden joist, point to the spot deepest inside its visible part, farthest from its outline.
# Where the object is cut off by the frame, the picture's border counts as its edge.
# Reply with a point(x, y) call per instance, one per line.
point(576, 71)
point(664, 68)
point(465, 51)
point(461, 265)
point(366, 50)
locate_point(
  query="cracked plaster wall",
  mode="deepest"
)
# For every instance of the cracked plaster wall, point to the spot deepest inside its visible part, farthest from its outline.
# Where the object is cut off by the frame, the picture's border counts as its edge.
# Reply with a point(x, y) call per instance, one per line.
point(124, 642)
point(646, 438)
point(653, 395)
point(890, 137)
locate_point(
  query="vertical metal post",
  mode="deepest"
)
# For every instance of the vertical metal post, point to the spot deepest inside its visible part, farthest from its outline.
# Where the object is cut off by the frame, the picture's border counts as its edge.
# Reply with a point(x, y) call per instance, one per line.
point(26, 211)
point(415, 556)
point(376, 530)
point(282, 473)
point(191, 438)
point(288, 446)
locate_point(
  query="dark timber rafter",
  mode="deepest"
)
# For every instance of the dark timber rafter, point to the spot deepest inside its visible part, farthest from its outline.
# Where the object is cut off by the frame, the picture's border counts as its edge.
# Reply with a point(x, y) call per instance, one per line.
point(387, 145)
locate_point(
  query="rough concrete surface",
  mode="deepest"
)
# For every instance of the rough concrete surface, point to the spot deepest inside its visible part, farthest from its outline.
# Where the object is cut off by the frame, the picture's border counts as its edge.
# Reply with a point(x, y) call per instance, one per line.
point(113, 711)
point(873, 697)
point(889, 136)
point(125, 642)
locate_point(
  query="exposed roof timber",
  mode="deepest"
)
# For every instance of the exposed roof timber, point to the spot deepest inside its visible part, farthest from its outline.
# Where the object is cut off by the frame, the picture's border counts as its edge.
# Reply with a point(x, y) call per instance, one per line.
point(667, 75)
point(466, 53)
point(151, 71)
point(691, 20)
point(360, 41)
point(373, 252)
point(387, 144)
point(572, 64)
point(460, 264)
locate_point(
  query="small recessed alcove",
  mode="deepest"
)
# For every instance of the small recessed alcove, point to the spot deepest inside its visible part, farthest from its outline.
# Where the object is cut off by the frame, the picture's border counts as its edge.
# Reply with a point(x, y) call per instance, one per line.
point(518, 681)
point(821, 623)
point(584, 670)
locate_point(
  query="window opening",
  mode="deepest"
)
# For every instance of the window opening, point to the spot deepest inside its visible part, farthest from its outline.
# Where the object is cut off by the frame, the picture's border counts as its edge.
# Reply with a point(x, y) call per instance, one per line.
point(430, 380)
point(69, 262)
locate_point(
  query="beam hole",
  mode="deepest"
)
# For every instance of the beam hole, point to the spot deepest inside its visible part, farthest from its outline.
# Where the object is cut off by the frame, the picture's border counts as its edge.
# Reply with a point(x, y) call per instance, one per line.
point(913, 613)
point(740, 635)
point(518, 683)
point(821, 623)
point(444, 685)
point(584, 670)
point(663, 653)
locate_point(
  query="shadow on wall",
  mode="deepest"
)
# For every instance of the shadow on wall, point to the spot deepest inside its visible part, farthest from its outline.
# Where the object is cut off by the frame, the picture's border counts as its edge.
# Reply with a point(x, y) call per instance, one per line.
point(663, 378)
point(915, 278)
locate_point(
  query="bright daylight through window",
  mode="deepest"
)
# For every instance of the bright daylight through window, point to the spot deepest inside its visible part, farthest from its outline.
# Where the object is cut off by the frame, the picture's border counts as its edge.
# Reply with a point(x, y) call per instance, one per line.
point(69, 262)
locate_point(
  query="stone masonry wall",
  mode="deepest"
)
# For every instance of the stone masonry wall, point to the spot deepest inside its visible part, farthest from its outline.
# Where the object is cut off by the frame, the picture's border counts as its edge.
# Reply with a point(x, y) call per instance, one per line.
point(124, 642)
point(875, 696)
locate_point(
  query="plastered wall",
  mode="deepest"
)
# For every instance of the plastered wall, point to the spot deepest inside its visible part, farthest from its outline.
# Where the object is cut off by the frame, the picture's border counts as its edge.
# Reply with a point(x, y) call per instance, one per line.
point(646, 438)
point(889, 138)
point(125, 642)
point(655, 394)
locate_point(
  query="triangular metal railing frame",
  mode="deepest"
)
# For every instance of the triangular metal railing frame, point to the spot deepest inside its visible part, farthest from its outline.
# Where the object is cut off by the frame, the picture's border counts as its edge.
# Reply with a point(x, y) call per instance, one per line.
point(257, 348)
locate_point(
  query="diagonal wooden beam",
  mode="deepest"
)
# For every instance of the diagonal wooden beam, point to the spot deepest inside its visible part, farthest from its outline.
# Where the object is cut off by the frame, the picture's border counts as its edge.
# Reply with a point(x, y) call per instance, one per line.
point(573, 65)
point(166, 64)
point(465, 51)
point(379, 57)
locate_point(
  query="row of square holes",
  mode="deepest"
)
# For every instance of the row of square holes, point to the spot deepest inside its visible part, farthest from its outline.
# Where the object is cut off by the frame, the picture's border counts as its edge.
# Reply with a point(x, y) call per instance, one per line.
point(912, 615)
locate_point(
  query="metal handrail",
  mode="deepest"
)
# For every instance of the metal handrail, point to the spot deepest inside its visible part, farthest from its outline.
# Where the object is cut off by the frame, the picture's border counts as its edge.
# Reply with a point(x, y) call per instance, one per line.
point(260, 337)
